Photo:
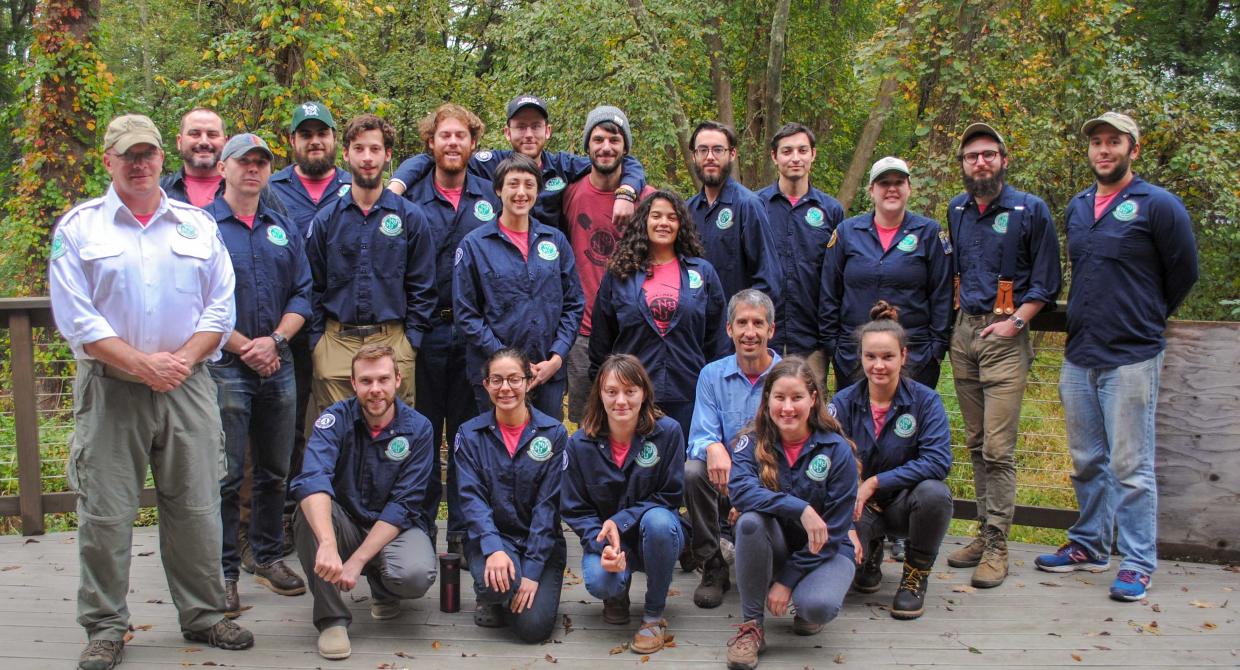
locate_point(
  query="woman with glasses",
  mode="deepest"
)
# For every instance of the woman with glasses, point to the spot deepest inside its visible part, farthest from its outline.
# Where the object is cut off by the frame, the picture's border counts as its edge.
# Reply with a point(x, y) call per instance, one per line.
point(509, 461)
point(515, 285)
point(894, 255)
point(663, 303)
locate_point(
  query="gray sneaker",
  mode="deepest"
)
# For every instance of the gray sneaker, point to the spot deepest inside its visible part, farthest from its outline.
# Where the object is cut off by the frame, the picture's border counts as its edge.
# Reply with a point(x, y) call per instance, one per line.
point(277, 577)
point(101, 655)
point(225, 634)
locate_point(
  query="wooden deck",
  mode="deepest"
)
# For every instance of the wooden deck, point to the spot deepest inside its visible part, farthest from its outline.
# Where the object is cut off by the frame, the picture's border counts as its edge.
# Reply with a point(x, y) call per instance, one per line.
point(1034, 620)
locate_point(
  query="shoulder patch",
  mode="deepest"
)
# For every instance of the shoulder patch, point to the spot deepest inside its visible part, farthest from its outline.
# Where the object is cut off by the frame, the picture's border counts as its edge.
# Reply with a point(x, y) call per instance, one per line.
point(456, 442)
point(945, 238)
point(325, 421)
point(484, 156)
point(58, 246)
point(831, 409)
point(564, 466)
point(695, 279)
point(742, 443)
point(460, 253)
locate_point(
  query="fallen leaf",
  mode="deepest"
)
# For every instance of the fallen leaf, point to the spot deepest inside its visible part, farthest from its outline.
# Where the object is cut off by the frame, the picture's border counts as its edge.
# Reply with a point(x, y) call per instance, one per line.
point(963, 588)
point(1209, 626)
point(464, 655)
point(1232, 568)
point(1097, 634)
point(10, 567)
point(1083, 580)
point(142, 626)
point(210, 663)
point(974, 650)
point(943, 575)
point(619, 650)
point(30, 540)
point(1202, 604)
point(1155, 607)
point(436, 644)
point(155, 601)
point(404, 654)
point(1101, 647)
point(1076, 657)
point(1050, 584)
point(645, 659)
point(672, 593)
point(191, 650)
point(146, 553)
point(839, 659)
point(1151, 627)
point(1054, 634)
point(127, 637)
point(387, 666)
point(551, 659)
point(568, 625)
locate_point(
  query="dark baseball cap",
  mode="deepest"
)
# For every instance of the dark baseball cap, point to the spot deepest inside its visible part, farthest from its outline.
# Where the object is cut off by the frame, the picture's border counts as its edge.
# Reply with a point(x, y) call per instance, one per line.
point(522, 101)
point(311, 110)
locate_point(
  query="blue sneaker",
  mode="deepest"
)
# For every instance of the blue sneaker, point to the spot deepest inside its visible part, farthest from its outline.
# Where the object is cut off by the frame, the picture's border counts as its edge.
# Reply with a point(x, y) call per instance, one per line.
point(1129, 585)
point(1069, 557)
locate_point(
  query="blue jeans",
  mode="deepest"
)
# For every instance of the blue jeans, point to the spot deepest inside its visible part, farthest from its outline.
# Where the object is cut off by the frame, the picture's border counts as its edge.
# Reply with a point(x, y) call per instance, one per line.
point(1110, 420)
point(262, 412)
point(658, 548)
point(538, 622)
point(448, 402)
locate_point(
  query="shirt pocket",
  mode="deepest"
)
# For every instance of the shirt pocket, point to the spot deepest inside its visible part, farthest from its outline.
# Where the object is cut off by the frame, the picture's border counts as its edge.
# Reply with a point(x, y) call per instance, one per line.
point(191, 264)
point(1107, 246)
point(504, 290)
point(104, 264)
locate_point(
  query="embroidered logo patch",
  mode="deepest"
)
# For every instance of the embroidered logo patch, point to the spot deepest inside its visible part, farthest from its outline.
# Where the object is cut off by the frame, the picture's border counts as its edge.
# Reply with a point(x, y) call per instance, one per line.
point(648, 456)
point(327, 420)
point(460, 253)
point(906, 425)
point(397, 449)
point(831, 409)
point(540, 449)
point(815, 218)
point(343, 189)
point(724, 220)
point(277, 236)
point(484, 156)
point(58, 246)
point(908, 244)
point(695, 279)
point(187, 230)
point(1126, 211)
point(548, 251)
point(554, 184)
point(742, 443)
point(483, 211)
point(1000, 224)
point(391, 225)
point(818, 468)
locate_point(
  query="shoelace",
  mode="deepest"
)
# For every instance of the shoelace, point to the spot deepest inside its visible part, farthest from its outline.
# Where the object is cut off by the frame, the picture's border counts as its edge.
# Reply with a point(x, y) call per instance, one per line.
point(1128, 576)
point(912, 580)
point(748, 634)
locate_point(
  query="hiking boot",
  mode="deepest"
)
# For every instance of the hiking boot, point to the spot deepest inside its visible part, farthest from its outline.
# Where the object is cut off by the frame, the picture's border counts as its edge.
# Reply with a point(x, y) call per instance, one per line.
point(898, 546)
point(334, 643)
point(1069, 557)
point(225, 634)
point(101, 655)
point(870, 575)
point(650, 637)
point(381, 610)
point(993, 568)
point(616, 610)
point(232, 601)
point(288, 545)
point(489, 616)
point(709, 593)
point(1129, 585)
point(246, 551)
point(910, 600)
point(970, 554)
point(277, 577)
point(745, 646)
point(804, 627)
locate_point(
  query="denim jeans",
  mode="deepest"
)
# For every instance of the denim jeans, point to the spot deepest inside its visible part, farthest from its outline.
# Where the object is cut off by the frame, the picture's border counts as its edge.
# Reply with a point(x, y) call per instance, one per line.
point(448, 402)
point(257, 411)
point(1110, 420)
point(658, 548)
point(538, 622)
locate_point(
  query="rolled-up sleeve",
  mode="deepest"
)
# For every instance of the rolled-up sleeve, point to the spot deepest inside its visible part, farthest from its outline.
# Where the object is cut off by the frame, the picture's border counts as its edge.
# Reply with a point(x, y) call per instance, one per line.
point(74, 311)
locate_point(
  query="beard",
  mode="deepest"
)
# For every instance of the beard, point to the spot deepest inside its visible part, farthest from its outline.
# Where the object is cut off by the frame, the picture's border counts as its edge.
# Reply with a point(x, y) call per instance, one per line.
point(193, 161)
point(364, 182)
point(314, 167)
point(725, 171)
point(449, 165)
point(1116, 174)
point(605, 169)
point(984, 187)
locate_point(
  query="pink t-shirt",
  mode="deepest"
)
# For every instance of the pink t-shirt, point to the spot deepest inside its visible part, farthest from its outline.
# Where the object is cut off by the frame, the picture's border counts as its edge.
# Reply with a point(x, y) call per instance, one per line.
point(593, 236)
point(374, 432)
point(520, 239)
point(662, 291)
point(753, 379)
point(511, 435)
point(981, 207)
point(316, 187)
point(793, 199)
point(144, 219)
point(247, 219)
point(792, 450)
point(886, 235)
point(452, 194)
point(202, 190)
point(618, 451)
point(1101, 202)
point(879, 414)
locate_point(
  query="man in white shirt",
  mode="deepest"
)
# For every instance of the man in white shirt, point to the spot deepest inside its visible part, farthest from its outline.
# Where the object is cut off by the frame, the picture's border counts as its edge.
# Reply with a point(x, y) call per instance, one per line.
point(142, 289)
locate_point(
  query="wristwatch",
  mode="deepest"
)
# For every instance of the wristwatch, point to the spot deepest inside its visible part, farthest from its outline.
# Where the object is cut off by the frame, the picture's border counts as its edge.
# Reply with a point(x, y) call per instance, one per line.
point(282, 342)
point(1018, 322)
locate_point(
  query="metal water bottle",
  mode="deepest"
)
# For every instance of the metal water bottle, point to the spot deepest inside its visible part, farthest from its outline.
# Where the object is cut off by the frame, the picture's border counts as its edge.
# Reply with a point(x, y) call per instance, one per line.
point(449, 582)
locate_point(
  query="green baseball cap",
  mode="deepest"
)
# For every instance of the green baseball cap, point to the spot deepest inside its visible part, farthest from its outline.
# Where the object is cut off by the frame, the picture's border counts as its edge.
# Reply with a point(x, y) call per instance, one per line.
point(307, 111)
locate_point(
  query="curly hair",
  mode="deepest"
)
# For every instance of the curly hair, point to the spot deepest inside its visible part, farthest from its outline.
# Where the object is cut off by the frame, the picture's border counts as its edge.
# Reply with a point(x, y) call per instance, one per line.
point(633, 250)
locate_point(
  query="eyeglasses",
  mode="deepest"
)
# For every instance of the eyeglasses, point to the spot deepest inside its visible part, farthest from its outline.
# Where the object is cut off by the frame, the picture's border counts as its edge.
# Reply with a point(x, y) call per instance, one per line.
point(718, 150)
point(988, 156)
point(497, 381)
point(145, 157)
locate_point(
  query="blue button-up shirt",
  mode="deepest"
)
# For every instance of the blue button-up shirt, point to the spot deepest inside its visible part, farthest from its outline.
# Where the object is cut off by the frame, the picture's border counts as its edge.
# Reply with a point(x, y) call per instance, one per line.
point(273, 274)
point(594, 489)
point(915, 443)
point(287, 187)
point(1131, 269)
point(374, 267)
point(977, 245)
point(449, 225)
point(504, 300)
point(623, 324)
point(738, 240)
point(914, 274)
point(515, 499)
point(824, 477)
point(801, 233)
point(381, 478)
point(559, 169)
point(725, 402)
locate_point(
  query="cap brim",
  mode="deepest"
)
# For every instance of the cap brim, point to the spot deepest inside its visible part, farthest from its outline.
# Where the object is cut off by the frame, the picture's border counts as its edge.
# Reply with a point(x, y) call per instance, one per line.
point(888, 171)
point(125, 144)
point(542, 110)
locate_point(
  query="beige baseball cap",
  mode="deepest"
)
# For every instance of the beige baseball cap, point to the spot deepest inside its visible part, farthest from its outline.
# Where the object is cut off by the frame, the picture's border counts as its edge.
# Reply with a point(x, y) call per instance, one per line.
point(130, 129)
point(976, 129)
point(1120, 122)
point(888, 164)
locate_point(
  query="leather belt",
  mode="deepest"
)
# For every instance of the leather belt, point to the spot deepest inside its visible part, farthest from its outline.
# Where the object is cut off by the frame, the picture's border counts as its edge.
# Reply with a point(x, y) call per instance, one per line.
point(445, 315)
point(351, 330)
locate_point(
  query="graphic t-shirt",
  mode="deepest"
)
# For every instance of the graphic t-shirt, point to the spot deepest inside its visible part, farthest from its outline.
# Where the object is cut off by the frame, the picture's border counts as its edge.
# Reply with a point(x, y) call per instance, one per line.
point(662, 291)
point(202, 190)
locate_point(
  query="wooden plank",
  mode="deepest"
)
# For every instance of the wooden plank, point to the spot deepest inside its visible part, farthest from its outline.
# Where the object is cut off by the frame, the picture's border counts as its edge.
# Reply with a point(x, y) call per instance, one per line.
point(1197, 461)
point(26, 418)
point(1044, 517)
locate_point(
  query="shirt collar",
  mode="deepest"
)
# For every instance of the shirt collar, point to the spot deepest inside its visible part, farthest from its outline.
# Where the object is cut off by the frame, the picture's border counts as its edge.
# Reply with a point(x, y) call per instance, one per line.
point(113, 205)
point(733, 368)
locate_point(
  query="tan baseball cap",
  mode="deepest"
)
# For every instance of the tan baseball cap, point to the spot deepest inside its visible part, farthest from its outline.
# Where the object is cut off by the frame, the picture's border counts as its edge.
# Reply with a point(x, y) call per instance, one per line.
point(1120, 122)
point(976, 129)
point(887, 164)
point(130, 129)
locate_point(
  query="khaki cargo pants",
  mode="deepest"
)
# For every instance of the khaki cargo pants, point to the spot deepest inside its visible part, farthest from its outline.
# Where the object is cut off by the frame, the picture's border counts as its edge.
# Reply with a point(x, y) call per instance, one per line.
point(333, 361)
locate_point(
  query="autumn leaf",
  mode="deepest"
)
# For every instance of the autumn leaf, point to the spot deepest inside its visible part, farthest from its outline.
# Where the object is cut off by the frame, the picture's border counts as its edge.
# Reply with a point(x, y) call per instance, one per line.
point(404, 654)
point(974, 650)
point(568, 625)
point(963, 588)
point(436, 644)
point(1151, 627)
point(672, 593)
point(618, 649)
point(1202, 604)
point(551, 659)
point(10, 567)
point(645, 659)
point(1209, 626)
point(839, 659)
point(143, 626)
point(1076, 657)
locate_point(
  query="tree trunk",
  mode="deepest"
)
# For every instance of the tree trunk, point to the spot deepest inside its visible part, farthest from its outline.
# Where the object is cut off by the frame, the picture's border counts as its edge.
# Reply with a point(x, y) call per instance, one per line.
point(774, 103)
point(720, 78)
point(679, 117)
point(865, 145)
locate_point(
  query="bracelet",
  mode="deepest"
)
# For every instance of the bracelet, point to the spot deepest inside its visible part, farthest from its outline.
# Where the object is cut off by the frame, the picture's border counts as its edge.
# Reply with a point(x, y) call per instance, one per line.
point(625, 196)
point(627, 192)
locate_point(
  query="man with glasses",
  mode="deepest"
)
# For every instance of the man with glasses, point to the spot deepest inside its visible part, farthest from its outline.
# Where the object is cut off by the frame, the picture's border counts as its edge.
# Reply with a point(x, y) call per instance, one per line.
point(142, 290)
point(1006, 260)
point(730, 218)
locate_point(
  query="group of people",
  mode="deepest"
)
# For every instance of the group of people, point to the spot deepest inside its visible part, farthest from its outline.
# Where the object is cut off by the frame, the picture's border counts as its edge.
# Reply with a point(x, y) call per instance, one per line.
point(467, 298)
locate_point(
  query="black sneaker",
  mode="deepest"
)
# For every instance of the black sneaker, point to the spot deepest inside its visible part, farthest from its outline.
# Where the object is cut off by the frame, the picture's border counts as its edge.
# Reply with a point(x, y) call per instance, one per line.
point(910, 600)
point(869, 575)
point(225, 634)
point(232, 601)
point(709, 593)
point(101, 655)
point(277, 577)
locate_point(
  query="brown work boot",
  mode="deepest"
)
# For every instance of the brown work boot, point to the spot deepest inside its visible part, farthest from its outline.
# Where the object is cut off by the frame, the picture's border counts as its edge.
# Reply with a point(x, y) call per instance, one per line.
point(970, 554)
point(993, 568)
point(744, 647)
point(277, 577)
point(616, 610)
point(225, 634)
point(232, 601)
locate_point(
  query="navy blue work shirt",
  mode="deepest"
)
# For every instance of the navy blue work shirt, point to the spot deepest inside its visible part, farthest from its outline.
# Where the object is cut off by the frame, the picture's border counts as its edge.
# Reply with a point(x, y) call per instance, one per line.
point(287, 187)
point(977, 245)
point(738, 240)
point(449, 225)
point(914, 274)
point(512, 499)
point(175, 188)
point(823, 477)
point(273, 273)
point(373, 267)
point(914, 445)
point(801, 233)
point(381, 478)
point(1131, 269)
point(503, 300)
point(594, 489)
point(559, 169)
point(623, 324)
